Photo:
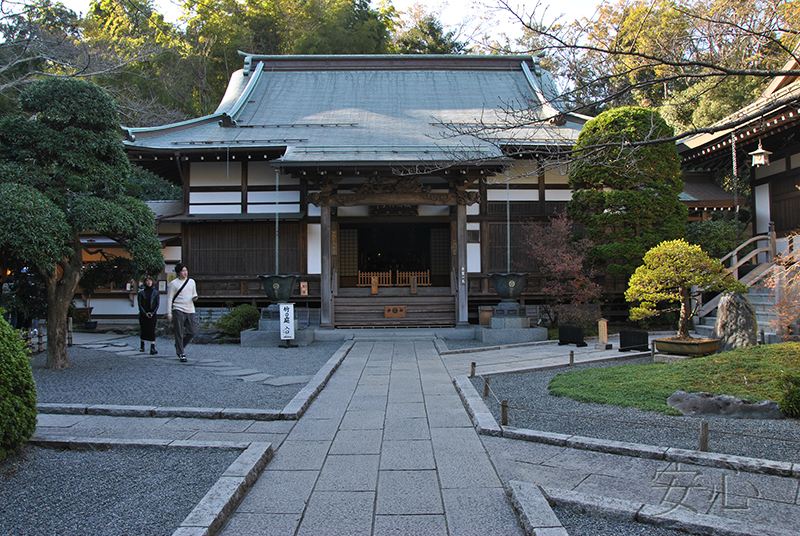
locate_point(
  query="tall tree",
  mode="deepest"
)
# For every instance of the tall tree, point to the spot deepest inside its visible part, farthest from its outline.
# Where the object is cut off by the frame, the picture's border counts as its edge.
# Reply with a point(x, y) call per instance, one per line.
point(428, 36)
point(673, 53)
point(151, 87)
point(624, 193)
point(63, 171)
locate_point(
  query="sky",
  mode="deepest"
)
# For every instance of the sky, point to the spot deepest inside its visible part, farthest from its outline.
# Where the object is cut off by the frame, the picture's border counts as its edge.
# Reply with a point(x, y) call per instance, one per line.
point(454, 14)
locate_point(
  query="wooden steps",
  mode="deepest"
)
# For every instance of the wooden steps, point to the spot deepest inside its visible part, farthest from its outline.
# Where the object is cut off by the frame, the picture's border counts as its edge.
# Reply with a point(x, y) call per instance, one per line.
point(369, 311)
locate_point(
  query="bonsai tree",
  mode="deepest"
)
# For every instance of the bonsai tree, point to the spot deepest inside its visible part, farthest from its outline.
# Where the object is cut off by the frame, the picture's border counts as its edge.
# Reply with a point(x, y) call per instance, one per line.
point(673, 273)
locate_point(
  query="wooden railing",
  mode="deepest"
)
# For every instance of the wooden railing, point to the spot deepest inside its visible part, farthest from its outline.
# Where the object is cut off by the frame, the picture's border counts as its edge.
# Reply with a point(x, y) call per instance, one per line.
point(766, 245)
point(423, 278)
point(384, 278)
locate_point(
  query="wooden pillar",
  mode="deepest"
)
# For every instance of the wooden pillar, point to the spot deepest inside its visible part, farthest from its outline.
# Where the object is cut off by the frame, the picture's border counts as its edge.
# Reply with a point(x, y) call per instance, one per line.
point(326, 306)
point(462, 295)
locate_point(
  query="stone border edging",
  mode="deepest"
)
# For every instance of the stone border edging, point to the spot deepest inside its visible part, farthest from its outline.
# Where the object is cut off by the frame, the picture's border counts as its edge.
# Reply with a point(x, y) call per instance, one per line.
point(299, 404)
point(293, 410)
point(486, 424)
point(213, 510)
point(671, 518)
point(535, 513)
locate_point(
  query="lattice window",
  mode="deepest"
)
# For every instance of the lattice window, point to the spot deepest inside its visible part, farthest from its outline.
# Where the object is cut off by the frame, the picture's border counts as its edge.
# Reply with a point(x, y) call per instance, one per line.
point(348, 252)
point(440, 251)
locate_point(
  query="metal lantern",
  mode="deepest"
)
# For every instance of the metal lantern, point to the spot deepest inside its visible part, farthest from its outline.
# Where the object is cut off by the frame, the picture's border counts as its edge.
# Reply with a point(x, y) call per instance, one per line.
point(760, 156)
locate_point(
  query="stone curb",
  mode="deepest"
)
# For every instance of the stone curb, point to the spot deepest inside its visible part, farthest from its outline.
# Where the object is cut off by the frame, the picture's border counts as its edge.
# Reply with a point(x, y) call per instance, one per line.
point(534, 511)
point(482, 418)
point(213, 510)
point(666, 517)
point(219, 503)
point(485, 424)
point(299, 404)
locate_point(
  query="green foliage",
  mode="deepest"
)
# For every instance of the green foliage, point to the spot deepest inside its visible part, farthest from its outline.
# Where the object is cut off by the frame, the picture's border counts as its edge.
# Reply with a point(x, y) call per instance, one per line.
point(754, 373)
point(148, 186)
point(242, 317)
point(17, 391)
point(790, 399)
point(672, 273)
point(716, 237)
point(625, 191)
point(428, 37)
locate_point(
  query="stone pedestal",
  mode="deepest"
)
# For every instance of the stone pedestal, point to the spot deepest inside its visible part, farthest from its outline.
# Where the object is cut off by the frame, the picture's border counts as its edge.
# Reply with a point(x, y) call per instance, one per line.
point(498, 337)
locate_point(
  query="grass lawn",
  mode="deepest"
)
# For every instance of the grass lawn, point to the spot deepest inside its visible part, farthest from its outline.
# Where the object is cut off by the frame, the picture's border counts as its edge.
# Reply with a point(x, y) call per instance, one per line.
point(753, 373)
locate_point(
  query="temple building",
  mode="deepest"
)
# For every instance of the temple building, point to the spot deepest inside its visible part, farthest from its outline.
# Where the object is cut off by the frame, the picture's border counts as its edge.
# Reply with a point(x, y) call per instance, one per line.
point(393, 185)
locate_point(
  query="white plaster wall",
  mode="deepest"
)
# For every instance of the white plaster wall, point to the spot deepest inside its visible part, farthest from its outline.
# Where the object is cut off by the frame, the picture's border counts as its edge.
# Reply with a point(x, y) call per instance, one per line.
point(513, 195)
point(778, 166)
point(215, 197)
point(314, 248)
point(262, 174)
point(215, 209)
point(215, 173)
point(271, 209)
point(558, 195)
point(762, 209)
point(473, 258)
point(270, 197)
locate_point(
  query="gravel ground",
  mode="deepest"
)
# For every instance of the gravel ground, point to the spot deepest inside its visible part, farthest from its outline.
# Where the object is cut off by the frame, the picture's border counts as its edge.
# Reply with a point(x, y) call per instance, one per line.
point(756, 438)
point(123, 490)
point(104, 377)
point(578, 524)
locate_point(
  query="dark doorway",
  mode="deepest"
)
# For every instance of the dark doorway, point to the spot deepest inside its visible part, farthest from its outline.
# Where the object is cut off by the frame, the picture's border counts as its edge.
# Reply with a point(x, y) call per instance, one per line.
point(398, 246)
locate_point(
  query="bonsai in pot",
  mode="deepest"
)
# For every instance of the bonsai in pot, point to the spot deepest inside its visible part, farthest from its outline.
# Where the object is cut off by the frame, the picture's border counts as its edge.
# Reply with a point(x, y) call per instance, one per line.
point(674, 272)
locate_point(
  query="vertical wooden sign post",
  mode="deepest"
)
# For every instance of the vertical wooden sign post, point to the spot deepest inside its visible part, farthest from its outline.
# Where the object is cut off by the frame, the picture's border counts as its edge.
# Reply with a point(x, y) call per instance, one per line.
point(602, 332)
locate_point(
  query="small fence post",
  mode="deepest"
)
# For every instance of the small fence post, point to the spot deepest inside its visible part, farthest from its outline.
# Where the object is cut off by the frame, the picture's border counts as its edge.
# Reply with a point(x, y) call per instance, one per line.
point(472, 369)
point(504, 412)
point(485, 387)
point(571, 358)
point(69, 331)
point(704, 436)
point(652, 349)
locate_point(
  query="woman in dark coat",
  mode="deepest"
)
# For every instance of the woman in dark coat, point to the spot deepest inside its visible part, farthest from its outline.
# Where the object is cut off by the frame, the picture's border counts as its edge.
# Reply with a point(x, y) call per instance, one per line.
point(148, 307)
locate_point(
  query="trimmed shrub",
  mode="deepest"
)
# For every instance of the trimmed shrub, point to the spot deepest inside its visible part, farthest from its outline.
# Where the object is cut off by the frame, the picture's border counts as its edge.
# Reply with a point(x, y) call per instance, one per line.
point(241, 318)
point(17, 391)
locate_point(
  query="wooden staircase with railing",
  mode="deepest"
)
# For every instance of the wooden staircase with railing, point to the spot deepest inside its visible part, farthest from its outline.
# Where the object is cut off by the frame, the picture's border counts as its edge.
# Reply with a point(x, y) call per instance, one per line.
point(752, 269)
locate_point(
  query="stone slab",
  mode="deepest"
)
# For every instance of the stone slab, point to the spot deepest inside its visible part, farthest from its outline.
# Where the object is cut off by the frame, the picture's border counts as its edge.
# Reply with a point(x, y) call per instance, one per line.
point(280, 381)
point(727, 461)
point(260, 377)
point(237, 372)
point(510, 336)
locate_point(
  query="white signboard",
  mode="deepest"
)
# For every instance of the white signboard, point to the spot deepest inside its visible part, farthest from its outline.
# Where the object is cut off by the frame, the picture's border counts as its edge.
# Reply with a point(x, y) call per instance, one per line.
point(287, 321)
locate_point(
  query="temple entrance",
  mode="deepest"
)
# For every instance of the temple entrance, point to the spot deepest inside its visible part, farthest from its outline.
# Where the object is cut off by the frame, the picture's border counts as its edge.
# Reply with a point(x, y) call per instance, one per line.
point(394, 252)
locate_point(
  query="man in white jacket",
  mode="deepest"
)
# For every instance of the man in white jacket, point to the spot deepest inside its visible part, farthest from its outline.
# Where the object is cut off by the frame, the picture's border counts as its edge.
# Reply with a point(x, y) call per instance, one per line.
point(181, 295)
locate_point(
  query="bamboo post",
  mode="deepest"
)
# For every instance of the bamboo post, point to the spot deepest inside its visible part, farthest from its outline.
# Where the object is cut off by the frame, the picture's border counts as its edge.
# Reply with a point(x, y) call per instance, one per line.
point(485, 387)
point(571, 358)
point(472, 369)
point(504, 412)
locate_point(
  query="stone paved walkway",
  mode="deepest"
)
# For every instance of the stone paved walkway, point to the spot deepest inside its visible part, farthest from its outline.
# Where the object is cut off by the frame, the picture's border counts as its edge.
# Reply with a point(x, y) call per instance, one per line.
point(387, 448)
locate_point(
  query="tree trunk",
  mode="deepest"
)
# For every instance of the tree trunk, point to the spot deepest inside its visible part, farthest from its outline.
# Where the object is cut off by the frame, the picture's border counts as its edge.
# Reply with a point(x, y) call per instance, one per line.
point(684, 322)
point(59, 296)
